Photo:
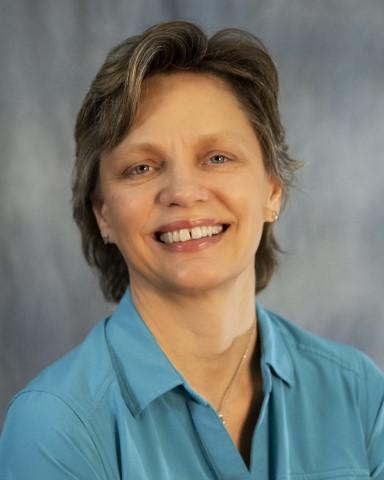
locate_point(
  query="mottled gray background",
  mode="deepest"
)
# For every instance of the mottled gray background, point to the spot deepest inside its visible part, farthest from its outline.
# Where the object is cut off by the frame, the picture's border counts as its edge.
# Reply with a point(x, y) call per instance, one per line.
point(330, 56)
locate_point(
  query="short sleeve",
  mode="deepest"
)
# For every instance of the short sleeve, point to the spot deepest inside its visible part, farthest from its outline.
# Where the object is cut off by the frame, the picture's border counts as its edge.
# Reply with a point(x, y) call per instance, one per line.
point(43, 438)
point(374, 408)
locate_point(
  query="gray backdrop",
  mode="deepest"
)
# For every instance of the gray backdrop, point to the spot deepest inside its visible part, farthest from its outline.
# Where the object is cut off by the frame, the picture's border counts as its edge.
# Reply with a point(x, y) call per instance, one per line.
point(330, 55)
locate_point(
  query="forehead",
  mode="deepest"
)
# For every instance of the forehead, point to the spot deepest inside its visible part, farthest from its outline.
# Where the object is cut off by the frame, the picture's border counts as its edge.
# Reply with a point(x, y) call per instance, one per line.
point(188, 83)
point(159, 82)
point(188, 100)
point(189, 110)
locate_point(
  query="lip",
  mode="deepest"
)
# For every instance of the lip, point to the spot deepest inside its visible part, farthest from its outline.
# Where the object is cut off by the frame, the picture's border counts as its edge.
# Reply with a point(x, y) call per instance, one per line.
point(190, 223)
point(191, 245)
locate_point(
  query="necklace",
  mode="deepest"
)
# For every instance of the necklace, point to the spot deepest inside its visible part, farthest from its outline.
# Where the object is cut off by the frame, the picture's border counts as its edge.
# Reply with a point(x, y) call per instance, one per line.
point(231, 382)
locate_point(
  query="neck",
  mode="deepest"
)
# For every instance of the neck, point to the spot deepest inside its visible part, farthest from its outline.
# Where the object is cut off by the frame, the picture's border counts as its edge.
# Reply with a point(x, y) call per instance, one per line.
point(204, 335)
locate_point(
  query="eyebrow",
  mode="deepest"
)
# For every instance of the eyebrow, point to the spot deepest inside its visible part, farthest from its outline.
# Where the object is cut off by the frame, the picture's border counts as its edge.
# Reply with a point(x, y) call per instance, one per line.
point(202, 141)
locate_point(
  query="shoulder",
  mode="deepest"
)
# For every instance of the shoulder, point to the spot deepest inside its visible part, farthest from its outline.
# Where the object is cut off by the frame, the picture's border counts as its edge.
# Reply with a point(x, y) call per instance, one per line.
point(79, 378)
point(44, 437)
point(51, 418)
point(337, 374)
point(339, 383)
point(325, 353)
point(76, 383)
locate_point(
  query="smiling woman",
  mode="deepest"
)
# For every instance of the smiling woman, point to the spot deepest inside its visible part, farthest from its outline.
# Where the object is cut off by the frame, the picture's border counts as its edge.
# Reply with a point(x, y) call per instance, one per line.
point(181, 171)
point(159, 182)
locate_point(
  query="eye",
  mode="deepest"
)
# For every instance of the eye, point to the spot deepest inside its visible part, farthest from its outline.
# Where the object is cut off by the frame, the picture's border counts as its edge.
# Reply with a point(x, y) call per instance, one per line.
point(219, 159)
point(138, 170)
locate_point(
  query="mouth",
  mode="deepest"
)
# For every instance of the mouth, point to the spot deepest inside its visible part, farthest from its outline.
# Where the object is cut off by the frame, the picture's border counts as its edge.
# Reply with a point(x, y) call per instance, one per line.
point(184, 235)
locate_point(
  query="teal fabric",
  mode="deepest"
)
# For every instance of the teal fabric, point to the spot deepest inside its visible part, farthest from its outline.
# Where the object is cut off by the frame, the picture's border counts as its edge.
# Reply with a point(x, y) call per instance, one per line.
point(115, 408)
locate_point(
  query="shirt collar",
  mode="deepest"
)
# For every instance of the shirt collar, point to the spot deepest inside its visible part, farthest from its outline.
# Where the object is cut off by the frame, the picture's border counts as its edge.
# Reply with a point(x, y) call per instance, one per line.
point(145, 372)
point(274, 349)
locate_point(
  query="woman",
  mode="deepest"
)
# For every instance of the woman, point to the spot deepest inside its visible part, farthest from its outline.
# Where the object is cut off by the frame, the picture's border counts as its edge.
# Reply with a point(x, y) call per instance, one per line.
point(181, 171)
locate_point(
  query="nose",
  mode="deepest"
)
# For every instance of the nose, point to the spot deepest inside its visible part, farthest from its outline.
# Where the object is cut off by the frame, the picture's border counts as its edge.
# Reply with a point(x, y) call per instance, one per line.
point(182, 188)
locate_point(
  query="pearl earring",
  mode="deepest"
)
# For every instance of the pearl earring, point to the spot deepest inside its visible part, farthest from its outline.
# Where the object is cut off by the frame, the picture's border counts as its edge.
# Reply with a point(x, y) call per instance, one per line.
point(275, 215)
point(105, 239)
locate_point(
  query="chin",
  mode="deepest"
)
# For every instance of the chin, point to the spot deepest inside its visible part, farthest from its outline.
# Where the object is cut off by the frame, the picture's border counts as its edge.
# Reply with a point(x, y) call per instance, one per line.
point(195, 283)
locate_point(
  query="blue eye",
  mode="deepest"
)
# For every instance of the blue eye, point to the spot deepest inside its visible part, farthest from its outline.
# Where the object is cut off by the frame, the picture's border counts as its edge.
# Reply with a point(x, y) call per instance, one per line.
point(139, 169)
point(219, 159)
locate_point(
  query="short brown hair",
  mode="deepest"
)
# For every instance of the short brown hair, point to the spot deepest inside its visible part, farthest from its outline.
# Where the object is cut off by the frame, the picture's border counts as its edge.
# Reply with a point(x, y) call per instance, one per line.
point(110, 106)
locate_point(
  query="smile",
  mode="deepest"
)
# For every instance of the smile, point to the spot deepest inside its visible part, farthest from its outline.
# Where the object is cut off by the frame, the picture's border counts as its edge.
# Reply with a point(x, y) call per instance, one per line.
point(187, 234)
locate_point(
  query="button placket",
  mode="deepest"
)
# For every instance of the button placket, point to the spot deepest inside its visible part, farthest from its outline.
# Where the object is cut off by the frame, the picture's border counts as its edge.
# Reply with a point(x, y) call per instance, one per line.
point(220, 450)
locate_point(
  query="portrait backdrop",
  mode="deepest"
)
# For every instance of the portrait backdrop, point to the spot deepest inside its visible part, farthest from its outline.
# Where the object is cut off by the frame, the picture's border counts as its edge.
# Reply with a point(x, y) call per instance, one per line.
point(330, 56)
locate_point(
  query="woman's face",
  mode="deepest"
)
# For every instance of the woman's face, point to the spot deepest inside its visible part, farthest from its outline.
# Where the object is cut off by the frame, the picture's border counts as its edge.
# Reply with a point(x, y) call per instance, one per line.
point(185, 195)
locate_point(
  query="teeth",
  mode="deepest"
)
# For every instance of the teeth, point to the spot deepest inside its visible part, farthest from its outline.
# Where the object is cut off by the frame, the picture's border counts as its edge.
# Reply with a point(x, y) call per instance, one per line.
point(184, 235)
point(194, 233)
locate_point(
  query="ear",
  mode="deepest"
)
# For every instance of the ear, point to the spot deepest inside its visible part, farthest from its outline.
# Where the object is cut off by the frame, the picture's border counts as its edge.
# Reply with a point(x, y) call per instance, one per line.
point(100, 211)
point(274, 200)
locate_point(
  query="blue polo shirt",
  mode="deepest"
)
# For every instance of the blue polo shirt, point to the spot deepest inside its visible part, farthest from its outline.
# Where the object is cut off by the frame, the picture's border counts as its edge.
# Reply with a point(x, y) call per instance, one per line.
point(116, 408)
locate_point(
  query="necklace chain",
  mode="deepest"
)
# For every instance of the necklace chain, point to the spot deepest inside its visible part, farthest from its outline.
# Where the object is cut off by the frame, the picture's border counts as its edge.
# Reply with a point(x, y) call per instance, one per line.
point(231, 382)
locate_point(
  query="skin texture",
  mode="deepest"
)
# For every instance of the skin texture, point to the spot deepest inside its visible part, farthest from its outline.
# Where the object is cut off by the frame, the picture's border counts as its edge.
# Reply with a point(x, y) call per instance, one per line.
point(192, 154)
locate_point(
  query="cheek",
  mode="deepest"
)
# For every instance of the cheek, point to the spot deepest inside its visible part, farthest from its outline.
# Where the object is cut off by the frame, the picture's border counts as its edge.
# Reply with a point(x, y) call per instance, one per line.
point(128, 213)
point(249, 197)
point(119, 209)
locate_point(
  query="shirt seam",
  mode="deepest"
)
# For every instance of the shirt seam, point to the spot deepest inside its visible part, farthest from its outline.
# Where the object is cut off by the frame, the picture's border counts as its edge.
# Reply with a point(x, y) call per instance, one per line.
point(335, 473)
point(72, 402)
point(321, 353)
point(338, 472)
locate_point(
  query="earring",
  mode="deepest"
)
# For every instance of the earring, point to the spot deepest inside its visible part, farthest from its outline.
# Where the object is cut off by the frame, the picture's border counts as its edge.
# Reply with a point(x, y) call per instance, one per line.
point(275, 215)
point(105, 239)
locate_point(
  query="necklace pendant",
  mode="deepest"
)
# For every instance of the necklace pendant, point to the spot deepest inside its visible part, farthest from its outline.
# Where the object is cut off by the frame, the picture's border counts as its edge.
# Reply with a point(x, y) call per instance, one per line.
point(222, 418)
